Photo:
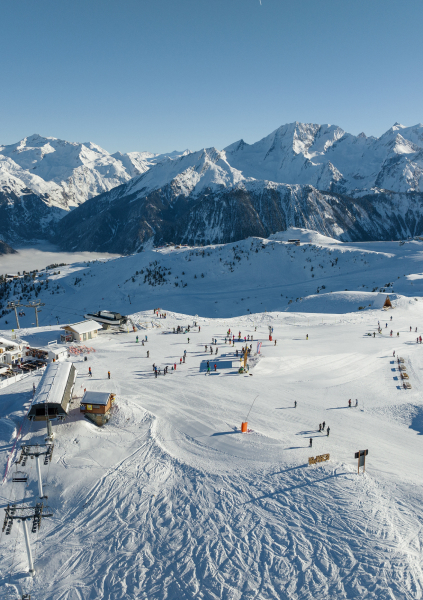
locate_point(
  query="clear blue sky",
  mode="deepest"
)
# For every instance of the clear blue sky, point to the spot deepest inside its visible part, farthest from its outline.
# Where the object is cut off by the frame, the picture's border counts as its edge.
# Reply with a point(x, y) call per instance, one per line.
point(174, 74)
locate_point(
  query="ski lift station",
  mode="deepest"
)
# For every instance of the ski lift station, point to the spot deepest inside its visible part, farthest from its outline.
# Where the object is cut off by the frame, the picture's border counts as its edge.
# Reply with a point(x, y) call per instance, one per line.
point(97, 406)
point(54, 392)
point(82, 331)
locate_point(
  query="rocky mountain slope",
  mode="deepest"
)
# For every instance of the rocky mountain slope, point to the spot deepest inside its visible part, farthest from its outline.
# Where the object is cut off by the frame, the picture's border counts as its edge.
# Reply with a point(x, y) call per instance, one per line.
point(6, 249)
point(328, 158)
point(200, 198)
point(304, 175)
point(42, 178)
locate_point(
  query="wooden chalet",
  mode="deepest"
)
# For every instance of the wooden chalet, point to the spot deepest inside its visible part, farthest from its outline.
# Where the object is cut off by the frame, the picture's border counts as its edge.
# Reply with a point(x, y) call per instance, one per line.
point(97, 406)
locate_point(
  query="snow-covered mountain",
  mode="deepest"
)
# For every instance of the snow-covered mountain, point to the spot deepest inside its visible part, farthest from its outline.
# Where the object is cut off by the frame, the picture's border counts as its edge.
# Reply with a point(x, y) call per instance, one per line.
point(328, 158)
point(200, 198)
point(304, 175)
point(59, 175)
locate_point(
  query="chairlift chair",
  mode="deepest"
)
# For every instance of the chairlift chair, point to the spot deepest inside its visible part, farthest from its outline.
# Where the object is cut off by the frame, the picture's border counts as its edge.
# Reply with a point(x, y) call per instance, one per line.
point(20, 476)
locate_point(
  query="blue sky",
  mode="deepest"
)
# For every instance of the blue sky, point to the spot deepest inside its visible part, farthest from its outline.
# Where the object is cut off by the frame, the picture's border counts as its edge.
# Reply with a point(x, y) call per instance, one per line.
point(174, 74)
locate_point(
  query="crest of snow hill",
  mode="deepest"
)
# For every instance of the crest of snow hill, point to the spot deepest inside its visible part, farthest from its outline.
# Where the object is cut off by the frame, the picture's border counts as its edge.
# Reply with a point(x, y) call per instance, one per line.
point(302, 175)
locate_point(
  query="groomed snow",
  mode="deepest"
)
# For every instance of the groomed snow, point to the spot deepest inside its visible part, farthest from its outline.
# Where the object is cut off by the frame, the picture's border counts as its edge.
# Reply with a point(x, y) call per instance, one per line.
point(170, 500)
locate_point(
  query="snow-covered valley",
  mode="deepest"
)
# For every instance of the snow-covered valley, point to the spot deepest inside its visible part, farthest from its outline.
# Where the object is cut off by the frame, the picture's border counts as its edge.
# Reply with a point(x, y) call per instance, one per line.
point(169, 499)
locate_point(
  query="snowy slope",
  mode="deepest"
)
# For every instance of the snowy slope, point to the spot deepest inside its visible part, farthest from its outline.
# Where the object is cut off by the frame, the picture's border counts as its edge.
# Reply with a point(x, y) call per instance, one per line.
point(170, 500)
point(250, 276)
point(327, 157)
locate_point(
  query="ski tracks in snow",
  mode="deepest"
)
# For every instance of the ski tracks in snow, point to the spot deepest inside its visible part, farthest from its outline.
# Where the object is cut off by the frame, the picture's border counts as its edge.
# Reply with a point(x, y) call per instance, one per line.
point(153, 527)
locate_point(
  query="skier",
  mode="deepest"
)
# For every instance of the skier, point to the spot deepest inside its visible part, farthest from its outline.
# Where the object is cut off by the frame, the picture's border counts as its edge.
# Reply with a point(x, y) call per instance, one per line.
point(33, 389)
point(393, 354)
point(307, 336)
point(323, 425)
point(410, 327)
point(155, 373)
point(217, 350)
point(320, 427)
point(188, 340)
point(184, 358)
point(356, 402)
point(174, 366)
point(146, 339)
point(327, 431)
point(211, 350)
point(136, 339)
point(108, 374)
point(199, 329)
point(311, 442)
point(295, 404)
point(349, 403)
point(142, 342)
point(391, 317)
point(154, 366)
point(180, 361)
point(275, 342)
point(215, 366)
point(208, 370)
point(386, 325)
point(90, 372)
point(205, 348)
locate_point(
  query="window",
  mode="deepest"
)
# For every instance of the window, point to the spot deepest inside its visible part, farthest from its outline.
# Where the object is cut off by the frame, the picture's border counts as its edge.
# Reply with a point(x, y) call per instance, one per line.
point(84, 337)
point(89, 335)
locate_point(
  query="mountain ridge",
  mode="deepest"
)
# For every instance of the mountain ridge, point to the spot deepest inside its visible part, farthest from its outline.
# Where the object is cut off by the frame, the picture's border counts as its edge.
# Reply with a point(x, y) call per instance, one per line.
point(301, 174)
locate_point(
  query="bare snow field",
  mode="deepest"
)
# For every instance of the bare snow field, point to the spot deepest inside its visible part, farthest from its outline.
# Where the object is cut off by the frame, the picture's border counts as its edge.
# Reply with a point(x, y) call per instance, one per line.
point(169, 500)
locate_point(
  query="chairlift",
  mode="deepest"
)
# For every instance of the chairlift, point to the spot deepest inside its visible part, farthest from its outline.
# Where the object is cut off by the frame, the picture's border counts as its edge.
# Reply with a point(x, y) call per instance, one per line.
point(20, 477)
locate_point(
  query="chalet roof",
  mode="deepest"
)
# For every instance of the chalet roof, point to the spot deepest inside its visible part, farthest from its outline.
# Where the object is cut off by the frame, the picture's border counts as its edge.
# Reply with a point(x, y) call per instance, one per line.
point(83, 327)
point(96, 398)
point(52, 384)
